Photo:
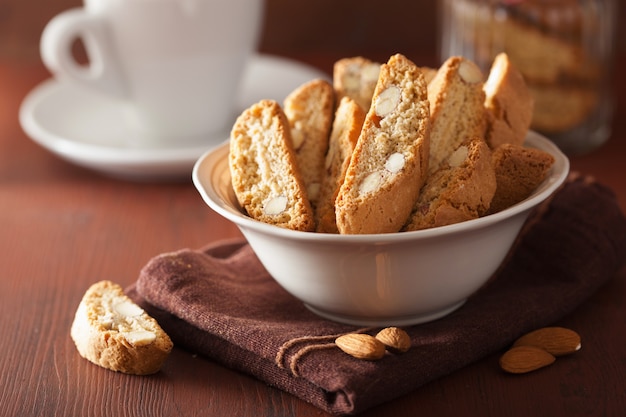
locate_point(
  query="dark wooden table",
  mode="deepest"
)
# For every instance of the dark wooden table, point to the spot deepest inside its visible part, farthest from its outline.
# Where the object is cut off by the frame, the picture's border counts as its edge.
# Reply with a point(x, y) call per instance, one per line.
point(63, 228)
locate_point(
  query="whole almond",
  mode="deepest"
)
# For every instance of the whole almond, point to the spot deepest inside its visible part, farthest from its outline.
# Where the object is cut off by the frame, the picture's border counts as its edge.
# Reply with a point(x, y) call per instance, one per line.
point(522, 359)
point(558, 341)
point(395, 339)
point(361, 346)
point(469, 72)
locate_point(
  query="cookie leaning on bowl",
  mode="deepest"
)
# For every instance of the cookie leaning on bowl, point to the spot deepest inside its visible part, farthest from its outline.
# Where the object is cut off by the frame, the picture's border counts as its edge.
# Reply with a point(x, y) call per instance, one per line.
point(508, 104)
point(263, 168)
point(345, 132)
point(309, 110)
point(457, 110)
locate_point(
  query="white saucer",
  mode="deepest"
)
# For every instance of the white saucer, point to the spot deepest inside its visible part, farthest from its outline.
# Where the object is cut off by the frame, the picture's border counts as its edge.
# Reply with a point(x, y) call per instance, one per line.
point(90, 131)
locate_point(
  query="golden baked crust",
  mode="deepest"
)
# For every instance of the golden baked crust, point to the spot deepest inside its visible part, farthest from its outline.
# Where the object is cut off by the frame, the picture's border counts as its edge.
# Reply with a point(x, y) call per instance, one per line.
point(309, 110)
point(263, 168)
point(457, 110)
point(389, 163)
point(509, 104)
point(111, 331)
point(461, 189)
point(347, 125)
point(356, 77)
point(519, 171)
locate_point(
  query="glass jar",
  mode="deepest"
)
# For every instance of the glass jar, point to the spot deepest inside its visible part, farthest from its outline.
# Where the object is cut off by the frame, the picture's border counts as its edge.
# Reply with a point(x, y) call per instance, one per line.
point(563, 48)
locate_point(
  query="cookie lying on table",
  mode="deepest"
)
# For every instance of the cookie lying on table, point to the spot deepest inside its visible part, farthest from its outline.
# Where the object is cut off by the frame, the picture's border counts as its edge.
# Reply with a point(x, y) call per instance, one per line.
point(111, 331)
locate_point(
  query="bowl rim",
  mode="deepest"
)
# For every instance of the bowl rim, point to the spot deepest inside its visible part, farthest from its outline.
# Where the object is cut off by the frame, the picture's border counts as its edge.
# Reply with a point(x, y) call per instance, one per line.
point(204, 166)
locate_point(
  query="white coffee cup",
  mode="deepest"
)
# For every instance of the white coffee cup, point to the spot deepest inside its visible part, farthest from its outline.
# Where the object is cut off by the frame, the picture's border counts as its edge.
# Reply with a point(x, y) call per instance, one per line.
point(175, 65)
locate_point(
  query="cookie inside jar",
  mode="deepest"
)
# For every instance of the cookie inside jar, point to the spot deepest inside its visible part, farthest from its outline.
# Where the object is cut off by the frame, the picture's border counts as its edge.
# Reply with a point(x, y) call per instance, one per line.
point(563, 48)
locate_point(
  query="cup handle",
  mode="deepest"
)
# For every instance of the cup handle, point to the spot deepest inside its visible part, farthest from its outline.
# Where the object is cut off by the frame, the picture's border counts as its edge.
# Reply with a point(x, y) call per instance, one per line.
point(102, 72)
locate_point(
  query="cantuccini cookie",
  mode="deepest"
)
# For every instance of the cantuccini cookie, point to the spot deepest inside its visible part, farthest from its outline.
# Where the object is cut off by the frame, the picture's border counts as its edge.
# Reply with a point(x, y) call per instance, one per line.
point(389, 163)
point(345, 132)
point(309, 110)
point(509, 104)
point(111, 331)
point(356, 77)
point(264, 171)
point(457, 110)
point(519, 171)
point(461, 189)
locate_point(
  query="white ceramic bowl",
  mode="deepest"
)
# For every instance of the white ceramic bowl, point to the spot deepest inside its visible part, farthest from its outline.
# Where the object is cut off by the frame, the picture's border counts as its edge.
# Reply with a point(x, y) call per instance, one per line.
point(386, 279)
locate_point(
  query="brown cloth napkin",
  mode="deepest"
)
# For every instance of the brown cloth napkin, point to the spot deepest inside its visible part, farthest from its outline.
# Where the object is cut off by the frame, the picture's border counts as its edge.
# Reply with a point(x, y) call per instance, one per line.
point(221, 303)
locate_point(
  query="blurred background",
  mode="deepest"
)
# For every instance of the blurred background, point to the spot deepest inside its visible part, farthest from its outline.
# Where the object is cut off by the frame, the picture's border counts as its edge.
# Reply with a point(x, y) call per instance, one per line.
point(293, 28)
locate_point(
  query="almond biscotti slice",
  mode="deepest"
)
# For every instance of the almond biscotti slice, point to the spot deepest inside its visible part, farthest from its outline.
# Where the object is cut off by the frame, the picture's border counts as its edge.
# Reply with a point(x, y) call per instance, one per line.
point(347, 125)
point(356, 77)
point(389, 163)
point(509, 104)
point(519, 171)
point(264, 171)
point(457, 110)
point(461, 189)
point(309, 110)
point(111, 331)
